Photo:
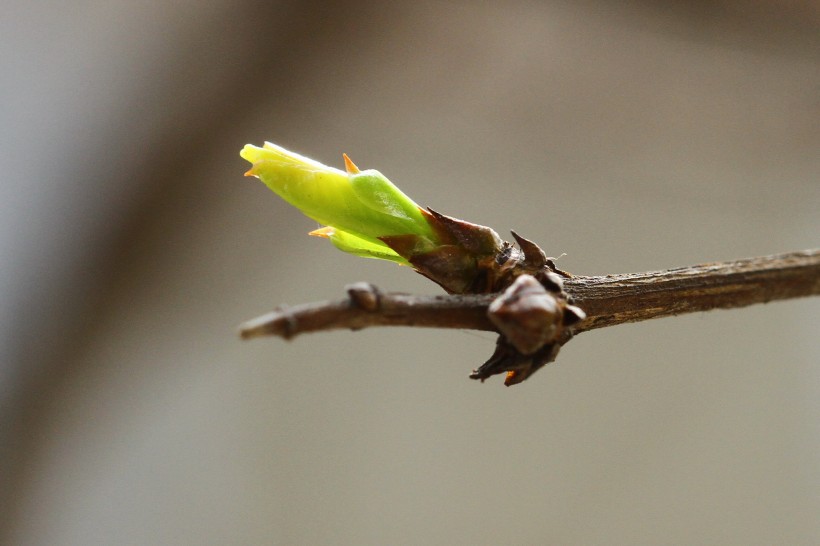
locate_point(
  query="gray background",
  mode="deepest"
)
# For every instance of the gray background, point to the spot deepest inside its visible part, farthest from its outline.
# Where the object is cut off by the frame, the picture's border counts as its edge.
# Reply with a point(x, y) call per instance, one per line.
point(630, 136)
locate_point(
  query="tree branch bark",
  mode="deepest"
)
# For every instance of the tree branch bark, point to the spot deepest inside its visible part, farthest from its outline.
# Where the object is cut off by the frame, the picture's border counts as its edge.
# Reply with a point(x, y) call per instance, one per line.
point(616, 299)
point(607, 300)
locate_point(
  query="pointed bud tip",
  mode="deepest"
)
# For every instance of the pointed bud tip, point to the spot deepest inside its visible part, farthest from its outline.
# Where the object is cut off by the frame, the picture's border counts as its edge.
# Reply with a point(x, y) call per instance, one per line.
point(510, 379)
point(350, 167)
point(324, 232)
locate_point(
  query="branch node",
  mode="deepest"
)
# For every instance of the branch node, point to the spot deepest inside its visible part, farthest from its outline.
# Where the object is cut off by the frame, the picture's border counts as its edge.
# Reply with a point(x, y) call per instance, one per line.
point(289, 323)
point(364, 295)
point(538, 314)
point(528, 315)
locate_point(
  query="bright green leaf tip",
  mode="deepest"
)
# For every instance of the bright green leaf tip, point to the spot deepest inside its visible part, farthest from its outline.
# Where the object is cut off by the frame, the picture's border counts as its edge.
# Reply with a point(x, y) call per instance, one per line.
point(363, 248)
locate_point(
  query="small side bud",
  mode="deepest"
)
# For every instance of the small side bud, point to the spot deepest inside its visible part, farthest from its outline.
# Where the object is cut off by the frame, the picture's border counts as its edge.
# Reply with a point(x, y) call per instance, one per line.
point(535, 319)
point(527, 315)
point(551, 281)
point(533, 255)
point(364, 295)
point(573, 315)
point(517, 367)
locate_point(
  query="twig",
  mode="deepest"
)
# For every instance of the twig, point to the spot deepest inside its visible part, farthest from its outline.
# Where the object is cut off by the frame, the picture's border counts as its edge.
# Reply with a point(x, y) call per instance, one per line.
point(392, 309)
point(607, 300)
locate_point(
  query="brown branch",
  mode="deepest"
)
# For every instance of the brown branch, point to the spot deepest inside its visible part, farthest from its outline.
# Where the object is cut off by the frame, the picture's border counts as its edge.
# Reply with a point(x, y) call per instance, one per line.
point(386, 309)
point(616, 299)
point(607, 300)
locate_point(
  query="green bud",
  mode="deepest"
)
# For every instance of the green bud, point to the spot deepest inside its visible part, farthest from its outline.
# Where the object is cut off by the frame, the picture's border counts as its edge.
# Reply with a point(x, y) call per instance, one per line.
point(367, 215)
point(364, 204)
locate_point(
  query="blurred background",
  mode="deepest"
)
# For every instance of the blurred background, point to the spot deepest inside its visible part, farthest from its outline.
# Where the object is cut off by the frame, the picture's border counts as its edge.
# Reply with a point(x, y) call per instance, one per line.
point(630, 136)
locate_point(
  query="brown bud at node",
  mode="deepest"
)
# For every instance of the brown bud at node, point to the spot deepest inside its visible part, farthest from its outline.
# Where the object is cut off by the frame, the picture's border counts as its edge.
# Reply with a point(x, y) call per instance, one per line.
point(363, 295)
point(533, 255)
point(527, 315)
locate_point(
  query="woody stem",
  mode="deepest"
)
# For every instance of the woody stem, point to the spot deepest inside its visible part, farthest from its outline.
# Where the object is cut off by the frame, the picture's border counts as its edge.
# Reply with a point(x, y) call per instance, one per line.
point(607, 300)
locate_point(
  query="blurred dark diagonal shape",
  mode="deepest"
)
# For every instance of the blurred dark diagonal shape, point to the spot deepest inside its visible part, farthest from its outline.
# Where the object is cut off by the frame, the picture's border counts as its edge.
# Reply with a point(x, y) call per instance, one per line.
point(111, 111)
point(123, 120)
